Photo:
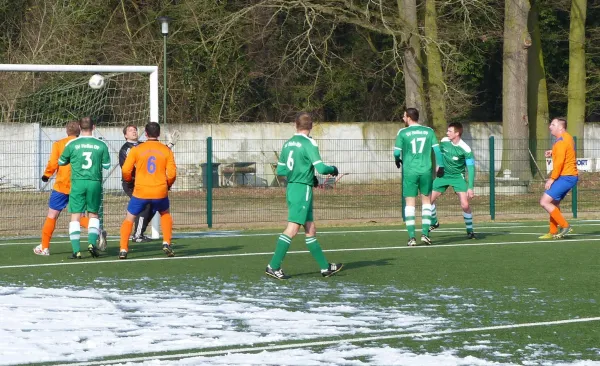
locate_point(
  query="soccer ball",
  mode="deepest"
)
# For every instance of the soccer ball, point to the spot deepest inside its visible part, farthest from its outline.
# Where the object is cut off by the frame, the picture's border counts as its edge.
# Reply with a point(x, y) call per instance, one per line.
point(96, 81)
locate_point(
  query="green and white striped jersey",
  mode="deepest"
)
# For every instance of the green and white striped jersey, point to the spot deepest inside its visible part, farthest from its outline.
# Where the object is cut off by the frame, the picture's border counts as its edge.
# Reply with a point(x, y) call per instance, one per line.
point(87, 156)
point(299, 158)
point(415, 144)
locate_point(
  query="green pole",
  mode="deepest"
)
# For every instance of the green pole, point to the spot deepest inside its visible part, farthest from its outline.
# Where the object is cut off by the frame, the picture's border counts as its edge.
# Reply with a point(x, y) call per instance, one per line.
point(209, 182)
point(492, 179)
point(165, 79)
point(574, 194)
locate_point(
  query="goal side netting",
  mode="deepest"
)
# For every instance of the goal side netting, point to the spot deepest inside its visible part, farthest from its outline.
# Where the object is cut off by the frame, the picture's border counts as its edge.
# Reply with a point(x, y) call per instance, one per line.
point(36, 104)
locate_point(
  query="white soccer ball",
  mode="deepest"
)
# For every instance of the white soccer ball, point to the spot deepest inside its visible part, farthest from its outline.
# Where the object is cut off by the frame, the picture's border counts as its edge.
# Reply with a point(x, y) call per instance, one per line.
point(96, 81)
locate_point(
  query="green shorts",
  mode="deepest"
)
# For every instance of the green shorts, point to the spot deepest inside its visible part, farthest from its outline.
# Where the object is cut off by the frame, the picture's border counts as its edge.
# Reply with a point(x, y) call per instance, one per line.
point(85, 195)
point(457, 182)
point(300, 203)
point(412, 184)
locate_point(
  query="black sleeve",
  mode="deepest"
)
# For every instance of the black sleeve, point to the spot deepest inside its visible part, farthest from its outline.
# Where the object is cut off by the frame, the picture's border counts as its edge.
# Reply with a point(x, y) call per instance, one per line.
point(123, 152)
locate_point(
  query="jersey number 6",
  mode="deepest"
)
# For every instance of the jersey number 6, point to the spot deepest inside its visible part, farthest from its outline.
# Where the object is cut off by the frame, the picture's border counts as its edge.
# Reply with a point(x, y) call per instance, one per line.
point(151, 165)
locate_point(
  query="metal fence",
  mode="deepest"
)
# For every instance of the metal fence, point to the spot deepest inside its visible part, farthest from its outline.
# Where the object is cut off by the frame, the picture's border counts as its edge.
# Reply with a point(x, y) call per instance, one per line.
point(246, 191)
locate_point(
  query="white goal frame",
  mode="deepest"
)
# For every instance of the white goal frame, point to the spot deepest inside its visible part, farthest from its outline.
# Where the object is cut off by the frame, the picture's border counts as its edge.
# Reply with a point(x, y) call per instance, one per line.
point(151, 70)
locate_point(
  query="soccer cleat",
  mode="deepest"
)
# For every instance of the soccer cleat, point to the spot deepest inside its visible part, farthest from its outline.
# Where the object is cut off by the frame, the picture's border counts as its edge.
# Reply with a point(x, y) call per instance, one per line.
point(471, 235)
point(275, 273)
point(39, 251)
point(140, 239)
point(93, 251)
point(547, 236)
point(412, 242)
point(168, 250)
point(332, 269)
point(563, 232)
point(102, 241)
point(123, 254)
point(433, 227)
point(75, 256)
point(425, 240)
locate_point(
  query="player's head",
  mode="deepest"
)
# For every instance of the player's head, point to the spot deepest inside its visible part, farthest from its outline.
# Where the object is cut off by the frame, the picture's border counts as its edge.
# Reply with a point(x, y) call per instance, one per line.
point(455, 129)
point(303, 121)
point(558, 125)
point(152, 130)
point(130, 132)
point(411, 115)
point(73, 128)
point(86, 124)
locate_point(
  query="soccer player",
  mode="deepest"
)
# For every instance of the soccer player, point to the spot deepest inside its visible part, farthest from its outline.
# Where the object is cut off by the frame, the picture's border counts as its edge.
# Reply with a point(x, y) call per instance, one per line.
point(87, 156)
point(155, 173)
point(457, 157)
point(141, 221)
point(563, 178)
point(413, 150)
point(298, 160)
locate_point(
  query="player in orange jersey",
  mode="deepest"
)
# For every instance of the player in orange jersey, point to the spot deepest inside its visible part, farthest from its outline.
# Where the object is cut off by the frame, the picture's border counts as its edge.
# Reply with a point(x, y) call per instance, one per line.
point(155, 173)
point(60, 191)
point(563, 178)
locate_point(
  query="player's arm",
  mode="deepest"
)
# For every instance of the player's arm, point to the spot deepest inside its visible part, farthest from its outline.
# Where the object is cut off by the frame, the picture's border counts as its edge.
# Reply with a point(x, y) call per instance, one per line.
point(128, 165)
point(105, 158)
point(282, 168)
point(398, 150)
point(52, 165)
point(559, 154)
point(317, 162)
point(123, 154)
point(65, 157)
point(470, 162)
point(171, 169)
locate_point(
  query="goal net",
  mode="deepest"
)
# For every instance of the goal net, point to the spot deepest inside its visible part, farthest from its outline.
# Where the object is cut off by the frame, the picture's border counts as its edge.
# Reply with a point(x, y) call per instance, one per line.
point(36, 104)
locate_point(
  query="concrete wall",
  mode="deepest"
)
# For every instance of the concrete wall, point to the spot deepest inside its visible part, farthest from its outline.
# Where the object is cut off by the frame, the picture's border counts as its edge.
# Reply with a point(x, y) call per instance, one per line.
point(352, 147)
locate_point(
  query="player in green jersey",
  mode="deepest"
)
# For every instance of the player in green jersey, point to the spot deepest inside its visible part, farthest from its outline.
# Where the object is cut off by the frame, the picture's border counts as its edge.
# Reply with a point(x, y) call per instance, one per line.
point(298, 161)
point(87, 156)
point(457, 157)
point(413, 150)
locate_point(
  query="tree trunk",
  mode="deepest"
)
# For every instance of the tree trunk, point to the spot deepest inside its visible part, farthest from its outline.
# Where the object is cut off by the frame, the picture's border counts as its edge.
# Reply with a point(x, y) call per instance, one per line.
point(537, 96)
point(576, 88)
point(515, 127)
point(435, 76)
point(413, 73)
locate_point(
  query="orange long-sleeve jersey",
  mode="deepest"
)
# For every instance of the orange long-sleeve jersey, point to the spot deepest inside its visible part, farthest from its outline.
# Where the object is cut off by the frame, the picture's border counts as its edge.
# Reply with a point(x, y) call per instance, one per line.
point(62, 183)
point(155, 170)
point(564, 160)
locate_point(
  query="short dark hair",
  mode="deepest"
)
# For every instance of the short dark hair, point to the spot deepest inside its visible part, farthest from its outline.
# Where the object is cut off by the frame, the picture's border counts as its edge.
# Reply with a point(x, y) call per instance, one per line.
point(86, 124)
point(303, 121)
point(458, 127)
point(563, 121)
point(412, 113)
point(153, 129)
point(127, 127)
point(73, 128)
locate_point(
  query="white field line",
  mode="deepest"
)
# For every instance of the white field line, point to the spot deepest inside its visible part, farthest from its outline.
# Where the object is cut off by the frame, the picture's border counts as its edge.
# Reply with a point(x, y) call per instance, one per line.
point(237, 234)
point(427, 247)
point(338, 341)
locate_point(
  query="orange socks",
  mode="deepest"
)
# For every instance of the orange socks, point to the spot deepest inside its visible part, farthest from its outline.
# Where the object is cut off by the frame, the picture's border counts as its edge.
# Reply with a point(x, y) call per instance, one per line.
point(166, 224)
point(558, 218)
point(84, 221)
point(47, 231)
point(126, 228)
point(553, 226)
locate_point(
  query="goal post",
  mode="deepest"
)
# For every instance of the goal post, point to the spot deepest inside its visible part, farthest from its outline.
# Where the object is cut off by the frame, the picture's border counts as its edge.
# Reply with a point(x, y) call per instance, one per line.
point(36, 104)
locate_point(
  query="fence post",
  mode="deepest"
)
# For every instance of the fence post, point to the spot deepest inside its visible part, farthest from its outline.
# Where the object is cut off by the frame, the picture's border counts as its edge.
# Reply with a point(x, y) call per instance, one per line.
point(574, 194)
point(209, 182)
point(492, 179)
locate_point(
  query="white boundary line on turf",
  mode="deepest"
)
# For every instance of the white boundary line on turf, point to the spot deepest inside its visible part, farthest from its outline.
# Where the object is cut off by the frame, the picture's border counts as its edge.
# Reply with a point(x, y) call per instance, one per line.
point(335, 342)
point(429, 247)
point(236, 234)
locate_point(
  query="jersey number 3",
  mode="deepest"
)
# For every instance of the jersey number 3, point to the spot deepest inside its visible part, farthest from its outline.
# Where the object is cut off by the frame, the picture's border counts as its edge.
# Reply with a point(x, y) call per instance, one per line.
point(88, 160)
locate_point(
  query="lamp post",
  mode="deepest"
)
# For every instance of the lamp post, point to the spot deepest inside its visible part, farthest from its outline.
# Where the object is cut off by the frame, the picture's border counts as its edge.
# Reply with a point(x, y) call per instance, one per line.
point(164, 29)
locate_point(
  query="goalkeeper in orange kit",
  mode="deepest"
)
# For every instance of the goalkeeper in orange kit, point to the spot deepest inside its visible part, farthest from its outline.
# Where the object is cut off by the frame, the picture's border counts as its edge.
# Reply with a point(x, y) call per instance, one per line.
point(563, 178)
point(59, 198)
point(155, 173)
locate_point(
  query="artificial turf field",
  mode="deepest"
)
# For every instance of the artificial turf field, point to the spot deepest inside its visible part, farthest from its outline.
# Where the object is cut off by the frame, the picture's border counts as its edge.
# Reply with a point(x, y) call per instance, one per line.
point(507, 298)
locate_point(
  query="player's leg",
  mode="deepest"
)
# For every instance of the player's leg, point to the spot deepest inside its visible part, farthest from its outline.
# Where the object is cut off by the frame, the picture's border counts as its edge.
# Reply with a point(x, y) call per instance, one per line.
point(425, 186)
point(57, 202)
point(166, 223)
point(134, 207)
point(555, 194)
point(77, 206)
point(467, 213)
point(93, 201)
point(439, 187)
point(327, 269)
point(410, 190)
point(141, 224)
